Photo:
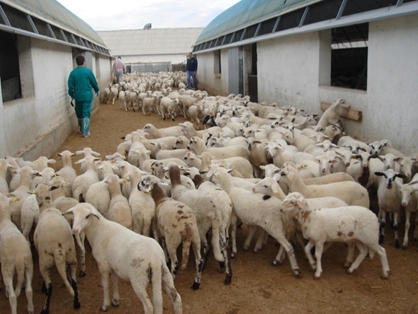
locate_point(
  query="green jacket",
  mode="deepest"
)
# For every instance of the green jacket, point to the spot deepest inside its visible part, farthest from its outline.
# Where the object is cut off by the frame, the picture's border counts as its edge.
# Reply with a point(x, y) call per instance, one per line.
point(80, 84)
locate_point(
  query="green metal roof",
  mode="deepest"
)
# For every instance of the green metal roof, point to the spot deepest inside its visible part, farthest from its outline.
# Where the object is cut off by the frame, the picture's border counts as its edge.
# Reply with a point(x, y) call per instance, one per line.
point(247, 12)
point(55, 13)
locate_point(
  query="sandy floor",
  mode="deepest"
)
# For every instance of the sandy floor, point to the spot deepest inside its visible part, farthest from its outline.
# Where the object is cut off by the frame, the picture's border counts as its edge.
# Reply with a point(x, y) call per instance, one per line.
point(256, 285)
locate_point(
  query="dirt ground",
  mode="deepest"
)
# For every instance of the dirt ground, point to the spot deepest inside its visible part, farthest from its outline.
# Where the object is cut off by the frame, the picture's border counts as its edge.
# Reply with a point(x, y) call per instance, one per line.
point(256, 285)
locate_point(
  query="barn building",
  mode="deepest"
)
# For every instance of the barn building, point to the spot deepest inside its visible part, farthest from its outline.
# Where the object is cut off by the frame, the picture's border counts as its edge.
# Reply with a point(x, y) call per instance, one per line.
point(151, 50)
point(304, 52)
point(39, 42)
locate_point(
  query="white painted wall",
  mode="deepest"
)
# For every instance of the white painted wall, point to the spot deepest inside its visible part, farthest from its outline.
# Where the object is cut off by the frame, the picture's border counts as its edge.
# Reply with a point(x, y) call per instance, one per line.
point(215, 84)
point(295, 70)
point(40, 123)
point(173, 58)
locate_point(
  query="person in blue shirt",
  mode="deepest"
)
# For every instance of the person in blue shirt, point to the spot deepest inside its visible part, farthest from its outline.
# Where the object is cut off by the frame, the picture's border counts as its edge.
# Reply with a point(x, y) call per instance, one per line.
point(81, 82)
point(191, 69)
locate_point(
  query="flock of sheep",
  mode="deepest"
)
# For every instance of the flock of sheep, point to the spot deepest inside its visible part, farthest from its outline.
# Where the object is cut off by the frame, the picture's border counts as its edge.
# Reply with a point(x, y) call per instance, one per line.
point(279, 170)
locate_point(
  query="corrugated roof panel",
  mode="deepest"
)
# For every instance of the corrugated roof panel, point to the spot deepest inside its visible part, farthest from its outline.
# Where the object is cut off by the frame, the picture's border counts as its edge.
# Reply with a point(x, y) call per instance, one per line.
point(55, 13)
point(247, 12)
point(150, 42)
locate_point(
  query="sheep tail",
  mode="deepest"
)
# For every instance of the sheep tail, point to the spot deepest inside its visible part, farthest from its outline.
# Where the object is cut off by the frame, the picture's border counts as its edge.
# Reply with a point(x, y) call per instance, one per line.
point(60, 257)
point(371, 253)
point(157, 296)
point(186, 248)
point(216, 240)
point(20, 272)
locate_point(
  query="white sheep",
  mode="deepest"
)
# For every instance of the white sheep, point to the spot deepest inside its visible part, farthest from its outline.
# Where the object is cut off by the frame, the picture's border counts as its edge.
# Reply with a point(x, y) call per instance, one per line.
point(120, 252)
point(409, 200)
point(4, 166)
point(169, 106)
point(204, 208)
point(162, 132)
point(176, 224)
point(343, 224)
point(67, 171)
point(331, 115)
point(15, 258)
point(349, 191)
point(252, 209)
point(389, 200)
point(55, 245)
point(83, 181)
point(119, 210)
point(198, 147)
point(22, 192)
point(63, 203)
point(142, 205)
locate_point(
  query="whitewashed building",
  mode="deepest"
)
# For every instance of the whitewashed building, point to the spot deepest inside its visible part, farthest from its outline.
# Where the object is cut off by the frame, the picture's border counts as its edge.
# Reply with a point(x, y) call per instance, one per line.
point(39, 42)
point(304, 52)
point(151, 50)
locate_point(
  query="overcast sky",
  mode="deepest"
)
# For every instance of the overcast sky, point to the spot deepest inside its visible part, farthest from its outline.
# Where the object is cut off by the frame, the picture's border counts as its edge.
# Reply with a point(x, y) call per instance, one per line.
point(134, 14)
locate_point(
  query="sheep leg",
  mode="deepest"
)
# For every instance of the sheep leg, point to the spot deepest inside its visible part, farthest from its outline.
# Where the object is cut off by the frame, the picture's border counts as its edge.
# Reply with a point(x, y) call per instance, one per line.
point(350, 255)
point(383, 258)
point(407, 225)
point(80, 242)
point(261, 240)
point(279, 236)
point(8, 283)
point(319, 246)
point(115, 296)
point(251, 231)
point(227, 258)
point(234, 219)
point(141, 293)
point(170, 289)
point(360, 257)
point(48, 292)
point(382, 216)
point(29, 292)
point(308, 254)
point(395, 228)
point(105, 284)
point(199, 264)
point(171, 249)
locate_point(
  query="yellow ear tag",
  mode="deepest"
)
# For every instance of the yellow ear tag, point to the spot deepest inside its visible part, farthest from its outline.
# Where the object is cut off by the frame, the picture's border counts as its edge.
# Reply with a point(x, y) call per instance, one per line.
point(332, 131)
point(290, 176)
point(126, 181)
point(16, 199)
point(303, 166)
point(149, 191)
point(217, 175)
point(153, 167)
point(275, 191)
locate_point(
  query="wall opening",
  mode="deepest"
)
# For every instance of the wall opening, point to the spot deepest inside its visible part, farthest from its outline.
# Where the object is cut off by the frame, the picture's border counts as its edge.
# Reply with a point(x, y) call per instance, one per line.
point(217, 62)
point(9, 67)
point(349, 56)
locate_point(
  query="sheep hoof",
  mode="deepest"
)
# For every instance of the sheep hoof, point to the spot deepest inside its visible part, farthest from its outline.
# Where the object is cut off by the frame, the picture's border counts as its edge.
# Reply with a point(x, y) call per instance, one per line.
point(297, 272)
point(404, 247)
point(104, 308)
point(347, 264)
point(227, 281)
point(195, 285)
point(82, 273)
point(397, 244)
point(115, 302)
point(275, 263)
point(77, 304)
point(350, 271)
point(316, 277)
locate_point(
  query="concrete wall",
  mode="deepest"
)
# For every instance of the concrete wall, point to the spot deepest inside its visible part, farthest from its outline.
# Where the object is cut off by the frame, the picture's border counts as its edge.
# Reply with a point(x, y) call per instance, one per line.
point(39, 123)
point(215, 84)
point(173, 58)
point(295, 70)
